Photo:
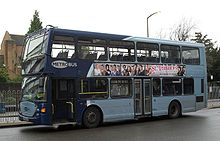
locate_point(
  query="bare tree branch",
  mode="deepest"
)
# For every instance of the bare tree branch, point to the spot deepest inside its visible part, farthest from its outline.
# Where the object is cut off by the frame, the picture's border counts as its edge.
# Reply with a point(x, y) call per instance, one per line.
point(182, 31)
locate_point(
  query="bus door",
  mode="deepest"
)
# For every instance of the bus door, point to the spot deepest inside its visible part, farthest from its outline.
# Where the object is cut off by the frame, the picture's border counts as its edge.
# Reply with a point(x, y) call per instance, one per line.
point(63, 106)
point(142, 97)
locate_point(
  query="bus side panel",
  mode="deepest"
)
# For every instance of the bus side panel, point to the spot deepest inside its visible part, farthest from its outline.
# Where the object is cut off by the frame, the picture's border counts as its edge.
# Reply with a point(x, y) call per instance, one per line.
point(81, 106)
point(201, 98)
point(188, 103)
point(115, 109)
point(199, 73)
point(160, 105)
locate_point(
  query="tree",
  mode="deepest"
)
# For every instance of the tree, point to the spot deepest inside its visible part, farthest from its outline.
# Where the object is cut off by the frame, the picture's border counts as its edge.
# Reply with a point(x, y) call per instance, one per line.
point(212, 54)
point(182, 31)
point(3, 75)
point(36, 24)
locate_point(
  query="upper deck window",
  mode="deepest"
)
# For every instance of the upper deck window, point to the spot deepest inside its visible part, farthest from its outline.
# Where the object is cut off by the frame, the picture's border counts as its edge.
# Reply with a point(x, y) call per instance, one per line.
point(147, 52)
point(63, 47)
point(170, 54)
point(190, 56)
point(35, 45)
point(121, 51)
point(92, 49)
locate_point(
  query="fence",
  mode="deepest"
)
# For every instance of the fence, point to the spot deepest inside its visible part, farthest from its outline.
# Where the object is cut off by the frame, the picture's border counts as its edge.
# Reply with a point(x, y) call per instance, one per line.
point(214, 91)
point(9, 100)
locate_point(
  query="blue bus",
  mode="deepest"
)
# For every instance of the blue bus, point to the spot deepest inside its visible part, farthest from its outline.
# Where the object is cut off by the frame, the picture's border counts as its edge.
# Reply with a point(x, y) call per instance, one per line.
point(87, 78)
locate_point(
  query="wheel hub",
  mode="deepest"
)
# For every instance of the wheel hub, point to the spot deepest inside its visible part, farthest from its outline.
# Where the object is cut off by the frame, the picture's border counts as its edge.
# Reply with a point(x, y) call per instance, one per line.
point(91, 117)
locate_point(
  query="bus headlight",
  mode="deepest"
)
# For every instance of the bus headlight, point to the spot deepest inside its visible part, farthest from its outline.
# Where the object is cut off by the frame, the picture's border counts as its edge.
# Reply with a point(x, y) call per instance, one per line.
point(43, 110)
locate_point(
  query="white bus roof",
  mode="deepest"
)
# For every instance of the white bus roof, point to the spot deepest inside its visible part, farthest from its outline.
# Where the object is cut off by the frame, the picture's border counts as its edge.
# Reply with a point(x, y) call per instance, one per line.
point(163, 41)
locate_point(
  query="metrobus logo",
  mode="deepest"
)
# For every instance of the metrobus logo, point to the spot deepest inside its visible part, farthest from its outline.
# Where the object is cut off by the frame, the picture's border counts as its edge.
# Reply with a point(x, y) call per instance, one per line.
point(60, 64)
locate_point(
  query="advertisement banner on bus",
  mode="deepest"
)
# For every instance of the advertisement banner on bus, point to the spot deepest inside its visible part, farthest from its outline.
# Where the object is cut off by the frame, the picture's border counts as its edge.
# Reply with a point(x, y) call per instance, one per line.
point(114, 69)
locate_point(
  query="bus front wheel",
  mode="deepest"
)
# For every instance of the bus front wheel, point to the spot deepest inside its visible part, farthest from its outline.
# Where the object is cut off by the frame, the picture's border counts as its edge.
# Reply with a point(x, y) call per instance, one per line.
point(91, 117)
point(174, 110)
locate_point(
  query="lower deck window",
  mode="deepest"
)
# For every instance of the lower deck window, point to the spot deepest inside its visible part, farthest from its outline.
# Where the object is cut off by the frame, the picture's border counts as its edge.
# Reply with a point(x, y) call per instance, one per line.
point(188, 86)
point(156, 87)
point(93, 88)
point(120, 88)
point(172, 87)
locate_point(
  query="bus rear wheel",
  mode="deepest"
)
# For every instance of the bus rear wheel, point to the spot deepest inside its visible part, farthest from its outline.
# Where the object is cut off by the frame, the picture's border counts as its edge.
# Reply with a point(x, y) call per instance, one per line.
point(91, 117)
point(174, 110)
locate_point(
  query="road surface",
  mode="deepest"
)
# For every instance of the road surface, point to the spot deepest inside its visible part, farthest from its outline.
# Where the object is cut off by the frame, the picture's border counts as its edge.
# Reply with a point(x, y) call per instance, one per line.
point(202, 125)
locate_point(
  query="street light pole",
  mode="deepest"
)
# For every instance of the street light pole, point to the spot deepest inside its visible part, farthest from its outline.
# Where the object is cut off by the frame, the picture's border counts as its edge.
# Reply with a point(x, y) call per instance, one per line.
point(147, 21)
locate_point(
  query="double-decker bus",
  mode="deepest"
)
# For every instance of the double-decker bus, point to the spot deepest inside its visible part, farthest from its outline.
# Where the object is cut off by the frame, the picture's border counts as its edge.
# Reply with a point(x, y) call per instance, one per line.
point(87, 78)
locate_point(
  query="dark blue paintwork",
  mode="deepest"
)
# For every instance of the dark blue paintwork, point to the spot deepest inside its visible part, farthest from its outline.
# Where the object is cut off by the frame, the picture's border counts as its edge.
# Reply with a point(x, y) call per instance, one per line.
point(82, 65)
point(97, 35)
point(80, 71)
point(38, 118)
point(69, 72)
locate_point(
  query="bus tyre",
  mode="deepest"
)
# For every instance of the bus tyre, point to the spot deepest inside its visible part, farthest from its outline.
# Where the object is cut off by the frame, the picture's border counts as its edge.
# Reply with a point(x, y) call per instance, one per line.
point(174, 110)
point(91, 117)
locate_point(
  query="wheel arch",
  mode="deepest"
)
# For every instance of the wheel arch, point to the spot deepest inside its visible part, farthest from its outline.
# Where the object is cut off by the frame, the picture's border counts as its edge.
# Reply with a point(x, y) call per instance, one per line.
point(98, 107)
point(177, 101)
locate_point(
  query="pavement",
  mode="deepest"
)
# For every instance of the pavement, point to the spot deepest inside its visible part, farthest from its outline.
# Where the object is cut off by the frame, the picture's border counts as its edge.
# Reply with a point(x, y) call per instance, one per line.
point(7, 120)
point(15, 122)
point(213, 103)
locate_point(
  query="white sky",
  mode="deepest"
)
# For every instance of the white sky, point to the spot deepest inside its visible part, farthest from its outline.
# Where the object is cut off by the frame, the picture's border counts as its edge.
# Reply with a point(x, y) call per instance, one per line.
point(126, 17)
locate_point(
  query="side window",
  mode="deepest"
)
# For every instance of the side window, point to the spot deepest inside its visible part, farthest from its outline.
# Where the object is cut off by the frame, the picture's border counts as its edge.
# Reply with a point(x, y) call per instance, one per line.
point(71, 86)
point(66, 88)
point(188, 86)
point(120, 88)
point(63, 88)
point(93, 88)
point(170, 54)
point(156, 87)
point(92, 49)
point(190, 56)
point(147, 52)
point(171, 87)
point(121, 51)
point(202, 86)
point(63, 85)
point(63, 47)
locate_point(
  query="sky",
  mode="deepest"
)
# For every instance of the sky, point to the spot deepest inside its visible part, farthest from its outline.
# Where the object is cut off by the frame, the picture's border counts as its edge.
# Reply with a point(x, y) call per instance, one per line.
point(125, 17)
